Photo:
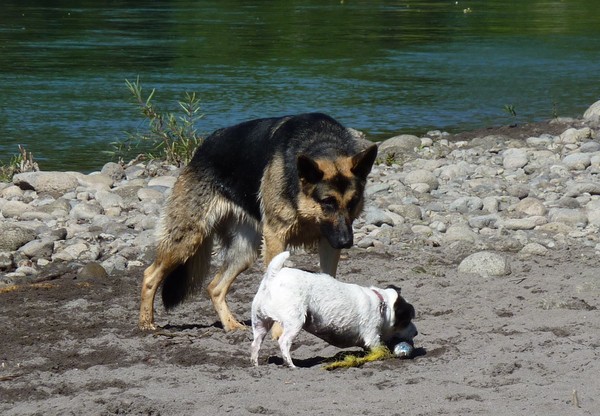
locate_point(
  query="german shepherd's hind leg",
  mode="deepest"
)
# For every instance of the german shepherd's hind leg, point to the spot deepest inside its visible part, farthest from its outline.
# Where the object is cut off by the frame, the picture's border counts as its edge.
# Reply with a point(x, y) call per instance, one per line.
point(240, 245)
point(178, 278)
point(184, 247)
point(154, 275)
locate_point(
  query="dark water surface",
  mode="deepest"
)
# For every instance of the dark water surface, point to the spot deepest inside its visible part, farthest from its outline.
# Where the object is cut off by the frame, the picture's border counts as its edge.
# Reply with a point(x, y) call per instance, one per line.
point(385, 67)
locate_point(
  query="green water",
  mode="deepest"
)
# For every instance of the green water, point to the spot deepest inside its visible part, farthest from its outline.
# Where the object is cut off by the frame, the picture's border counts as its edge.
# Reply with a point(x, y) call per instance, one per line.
point(385, 67)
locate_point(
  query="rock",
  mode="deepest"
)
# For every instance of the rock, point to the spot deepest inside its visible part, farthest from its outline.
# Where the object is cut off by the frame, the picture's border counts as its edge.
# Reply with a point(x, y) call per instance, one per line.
point(113, 170)
point(6, 261)
point(400, 144)
point(11, 192)
point(590, 147)
point(372, 189)
point(484, 221)
point(55, 183)
point(14, 236)
point(577, 161)
point(555, 228)
point(14, 209)
point(534, 249)
point(491, 204)
point(96, 181)
point(592, 210)
point(593, 112)
point(572, 135)
point(76, 251)
point(149, 194)
point(108, 199)
point(455, 170)
point(421, 176)
point(38, 248)
point(162, 181)
point(528, 223)
point(571, 217)
point(422, 230)
point(86, 210)
point(377, 217)
point(92, 271)
point(409, 211)
point(579, 188)
point(133, 172)
point(542, 141)
point(485, 264)
point(460, 232)
point(466, 204)
point(518, 190)
point(531, 206)
point(514, 158)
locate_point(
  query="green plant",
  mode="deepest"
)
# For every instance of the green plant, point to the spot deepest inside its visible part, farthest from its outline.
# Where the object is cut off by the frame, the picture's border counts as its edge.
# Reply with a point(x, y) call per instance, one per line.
point(510, 109)
point(22, 162)
point(554, 109)
point(389, 159)
point(169, 137)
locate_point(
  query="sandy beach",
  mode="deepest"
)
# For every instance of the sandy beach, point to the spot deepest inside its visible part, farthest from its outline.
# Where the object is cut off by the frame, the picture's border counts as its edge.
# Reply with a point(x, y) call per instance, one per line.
point(523, 343)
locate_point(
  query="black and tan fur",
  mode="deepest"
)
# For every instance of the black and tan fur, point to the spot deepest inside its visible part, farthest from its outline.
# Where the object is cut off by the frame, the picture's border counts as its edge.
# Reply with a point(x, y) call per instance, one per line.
point(289, 181)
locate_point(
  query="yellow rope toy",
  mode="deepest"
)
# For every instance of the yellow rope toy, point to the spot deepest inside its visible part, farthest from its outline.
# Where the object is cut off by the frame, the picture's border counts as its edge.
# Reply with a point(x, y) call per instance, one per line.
point(351, 360)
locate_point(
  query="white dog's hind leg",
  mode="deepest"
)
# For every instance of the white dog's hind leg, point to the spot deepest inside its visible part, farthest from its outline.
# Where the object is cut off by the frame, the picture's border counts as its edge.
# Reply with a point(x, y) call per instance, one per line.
point(260, 329)
point(290, 331)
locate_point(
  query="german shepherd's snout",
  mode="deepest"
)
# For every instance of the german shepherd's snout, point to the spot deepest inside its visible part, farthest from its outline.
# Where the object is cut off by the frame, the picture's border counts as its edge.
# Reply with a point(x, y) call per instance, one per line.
point(339, 233)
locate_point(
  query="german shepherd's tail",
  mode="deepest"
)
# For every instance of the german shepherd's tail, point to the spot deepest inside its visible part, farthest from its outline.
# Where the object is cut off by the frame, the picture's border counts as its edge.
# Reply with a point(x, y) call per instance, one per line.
point(186, 235)
point(187, 278)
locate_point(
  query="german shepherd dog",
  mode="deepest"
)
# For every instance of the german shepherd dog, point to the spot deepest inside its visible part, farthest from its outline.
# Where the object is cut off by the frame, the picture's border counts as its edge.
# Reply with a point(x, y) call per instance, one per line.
point(294, 181)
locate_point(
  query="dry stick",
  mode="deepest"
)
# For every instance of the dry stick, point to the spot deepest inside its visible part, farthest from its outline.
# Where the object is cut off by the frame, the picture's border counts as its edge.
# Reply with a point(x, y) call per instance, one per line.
point(575, 399)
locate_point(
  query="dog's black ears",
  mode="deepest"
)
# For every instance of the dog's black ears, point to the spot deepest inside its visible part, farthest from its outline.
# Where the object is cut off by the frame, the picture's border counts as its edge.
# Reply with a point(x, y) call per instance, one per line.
point(309, 170)
point(362, 162)
point(396, 288)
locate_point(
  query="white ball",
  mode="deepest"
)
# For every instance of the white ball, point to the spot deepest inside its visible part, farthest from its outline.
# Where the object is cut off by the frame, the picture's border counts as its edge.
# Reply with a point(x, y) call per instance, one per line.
point(403, 349)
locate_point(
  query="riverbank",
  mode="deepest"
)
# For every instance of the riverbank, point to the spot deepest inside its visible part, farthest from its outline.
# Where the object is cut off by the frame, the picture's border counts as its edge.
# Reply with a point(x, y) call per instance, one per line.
point(492, 235)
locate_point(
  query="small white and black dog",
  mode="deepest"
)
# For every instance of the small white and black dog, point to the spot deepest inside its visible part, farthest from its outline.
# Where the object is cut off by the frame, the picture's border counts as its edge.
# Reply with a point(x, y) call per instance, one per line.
point(342, 314)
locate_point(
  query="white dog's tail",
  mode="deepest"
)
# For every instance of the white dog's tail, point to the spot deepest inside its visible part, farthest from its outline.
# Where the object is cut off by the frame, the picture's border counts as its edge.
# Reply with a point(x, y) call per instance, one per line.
point(276, 264)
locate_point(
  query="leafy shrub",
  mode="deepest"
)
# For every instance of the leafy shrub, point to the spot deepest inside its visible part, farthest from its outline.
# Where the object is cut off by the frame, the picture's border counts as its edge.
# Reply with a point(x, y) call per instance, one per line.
point(169, 137)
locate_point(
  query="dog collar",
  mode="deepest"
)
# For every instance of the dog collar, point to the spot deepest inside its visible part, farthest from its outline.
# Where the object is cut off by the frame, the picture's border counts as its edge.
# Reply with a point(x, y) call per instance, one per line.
point(381, 301)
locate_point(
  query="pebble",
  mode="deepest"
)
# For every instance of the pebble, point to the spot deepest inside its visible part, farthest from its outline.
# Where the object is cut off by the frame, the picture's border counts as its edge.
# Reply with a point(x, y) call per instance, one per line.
point(472, 199)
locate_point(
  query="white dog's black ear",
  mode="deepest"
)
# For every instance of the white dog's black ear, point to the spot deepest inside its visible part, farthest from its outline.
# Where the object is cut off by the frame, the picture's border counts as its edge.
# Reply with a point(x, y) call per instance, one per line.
point(396, 288)
point(405, 312)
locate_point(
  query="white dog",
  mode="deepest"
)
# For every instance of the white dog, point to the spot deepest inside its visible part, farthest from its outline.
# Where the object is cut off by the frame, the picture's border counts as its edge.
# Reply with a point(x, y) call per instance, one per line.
point(342, 314)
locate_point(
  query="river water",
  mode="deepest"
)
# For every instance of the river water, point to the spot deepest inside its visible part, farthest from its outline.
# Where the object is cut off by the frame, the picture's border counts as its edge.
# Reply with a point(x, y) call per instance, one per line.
point(385, 67)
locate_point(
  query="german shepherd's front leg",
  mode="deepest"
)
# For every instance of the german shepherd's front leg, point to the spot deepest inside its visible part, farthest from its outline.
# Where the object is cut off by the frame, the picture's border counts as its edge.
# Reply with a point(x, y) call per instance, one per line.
point(329, 257)
point(273, 244)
